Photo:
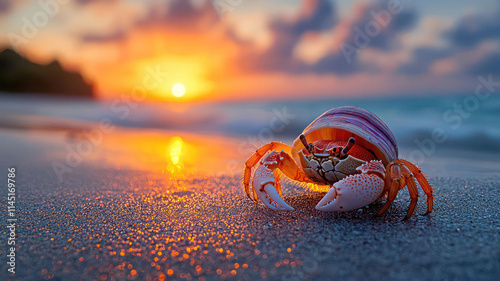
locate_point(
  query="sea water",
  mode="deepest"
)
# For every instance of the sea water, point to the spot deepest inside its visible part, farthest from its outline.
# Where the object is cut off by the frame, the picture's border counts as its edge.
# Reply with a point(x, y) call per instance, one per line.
point(446, 134)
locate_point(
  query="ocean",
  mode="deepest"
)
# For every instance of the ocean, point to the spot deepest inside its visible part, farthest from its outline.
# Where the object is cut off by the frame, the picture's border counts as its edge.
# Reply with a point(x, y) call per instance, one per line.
point(448, 135)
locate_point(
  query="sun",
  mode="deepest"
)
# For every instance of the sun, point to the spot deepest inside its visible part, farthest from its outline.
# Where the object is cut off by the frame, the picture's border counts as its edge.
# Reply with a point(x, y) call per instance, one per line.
point(178, 90)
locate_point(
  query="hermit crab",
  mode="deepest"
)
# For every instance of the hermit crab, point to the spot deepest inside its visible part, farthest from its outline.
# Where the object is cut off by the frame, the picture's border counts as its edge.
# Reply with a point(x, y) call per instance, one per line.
point(347, 148)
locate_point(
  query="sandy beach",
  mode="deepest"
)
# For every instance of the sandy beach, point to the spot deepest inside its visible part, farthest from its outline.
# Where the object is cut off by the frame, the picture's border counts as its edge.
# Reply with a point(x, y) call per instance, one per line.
point(169, 207)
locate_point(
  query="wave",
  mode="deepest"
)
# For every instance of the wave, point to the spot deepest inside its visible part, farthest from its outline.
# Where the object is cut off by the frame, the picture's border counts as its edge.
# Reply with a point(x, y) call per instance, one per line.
point(411, 119)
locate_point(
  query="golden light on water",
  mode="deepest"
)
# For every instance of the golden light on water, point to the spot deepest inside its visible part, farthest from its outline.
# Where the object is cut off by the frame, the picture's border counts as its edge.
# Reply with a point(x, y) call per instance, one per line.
point(178, 90)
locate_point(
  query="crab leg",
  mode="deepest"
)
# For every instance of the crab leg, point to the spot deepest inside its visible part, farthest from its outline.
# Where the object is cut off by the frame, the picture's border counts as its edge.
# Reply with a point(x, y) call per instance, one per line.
point(355, 191)
point(395, 183)
point(401, 173)
point(255, 158)
point(412, 188)
point(422, 181)
point(266, 179)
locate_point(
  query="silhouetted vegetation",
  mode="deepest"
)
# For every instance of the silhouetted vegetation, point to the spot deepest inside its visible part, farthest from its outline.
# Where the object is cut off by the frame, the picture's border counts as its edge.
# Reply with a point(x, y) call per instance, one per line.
point(19, 75)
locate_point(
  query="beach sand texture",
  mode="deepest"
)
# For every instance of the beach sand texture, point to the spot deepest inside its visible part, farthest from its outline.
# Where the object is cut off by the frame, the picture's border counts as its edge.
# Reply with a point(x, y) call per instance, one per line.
point(169, 207)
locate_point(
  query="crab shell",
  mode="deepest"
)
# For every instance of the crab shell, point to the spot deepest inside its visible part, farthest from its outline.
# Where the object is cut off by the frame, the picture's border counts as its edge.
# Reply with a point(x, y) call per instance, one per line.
point(341, 123)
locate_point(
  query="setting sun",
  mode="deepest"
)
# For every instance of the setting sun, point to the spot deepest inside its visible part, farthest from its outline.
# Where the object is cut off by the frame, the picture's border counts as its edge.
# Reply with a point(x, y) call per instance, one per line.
point(178, 90)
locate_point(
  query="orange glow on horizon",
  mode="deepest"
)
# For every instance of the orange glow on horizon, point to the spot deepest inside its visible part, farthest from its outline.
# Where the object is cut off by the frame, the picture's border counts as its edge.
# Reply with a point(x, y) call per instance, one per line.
point(179, 57)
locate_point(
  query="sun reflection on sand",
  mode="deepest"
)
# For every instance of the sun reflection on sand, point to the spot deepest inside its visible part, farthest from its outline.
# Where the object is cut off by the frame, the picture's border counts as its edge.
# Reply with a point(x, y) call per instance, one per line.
point(175, 166)
point(175, 149)
point(178, 155)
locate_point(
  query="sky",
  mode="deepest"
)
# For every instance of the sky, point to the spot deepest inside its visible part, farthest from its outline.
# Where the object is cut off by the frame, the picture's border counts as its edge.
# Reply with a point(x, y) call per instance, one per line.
point(261, 50)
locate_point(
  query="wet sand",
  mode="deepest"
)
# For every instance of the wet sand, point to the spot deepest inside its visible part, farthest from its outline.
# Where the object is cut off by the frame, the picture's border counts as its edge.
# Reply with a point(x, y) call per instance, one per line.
point(147, 217)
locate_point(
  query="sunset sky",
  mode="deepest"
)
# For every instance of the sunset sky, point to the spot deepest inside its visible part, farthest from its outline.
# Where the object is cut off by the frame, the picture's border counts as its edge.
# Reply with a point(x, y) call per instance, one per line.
point(256, 49)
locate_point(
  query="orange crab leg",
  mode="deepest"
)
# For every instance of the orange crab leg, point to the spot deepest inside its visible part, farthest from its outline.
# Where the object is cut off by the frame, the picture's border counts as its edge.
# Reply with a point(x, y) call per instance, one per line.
point(400, 173)
point(412, 188)
point(291, 170)
point(255, 158)
point(422, 181)
point(393, 182)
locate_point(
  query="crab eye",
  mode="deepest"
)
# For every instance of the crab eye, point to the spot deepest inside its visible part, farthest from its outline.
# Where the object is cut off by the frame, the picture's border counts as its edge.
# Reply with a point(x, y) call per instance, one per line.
point(335, 151)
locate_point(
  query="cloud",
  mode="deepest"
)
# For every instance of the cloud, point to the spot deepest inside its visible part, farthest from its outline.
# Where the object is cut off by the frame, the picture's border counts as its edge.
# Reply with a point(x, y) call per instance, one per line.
point(384, 22)
point(472, 30)
point(103, 38)
point(489, 64)
point(463, 40)
point(323, 18)
point(376, 27)
point(5, 6)
point(286, 35)
point(423, 58)
point(181, 15)
point(85, 2)
point(319, 15)
point(315, 17)
point(477, 30)
point(335, 62)
point(176, 16)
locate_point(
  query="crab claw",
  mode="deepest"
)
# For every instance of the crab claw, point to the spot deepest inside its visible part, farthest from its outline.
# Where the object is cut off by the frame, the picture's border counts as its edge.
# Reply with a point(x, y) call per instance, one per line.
point(355, 191)
point(263, 184)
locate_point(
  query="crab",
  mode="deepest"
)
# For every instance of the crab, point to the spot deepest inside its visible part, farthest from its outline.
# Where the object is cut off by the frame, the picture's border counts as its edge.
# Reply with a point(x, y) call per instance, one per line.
point(347, 148)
